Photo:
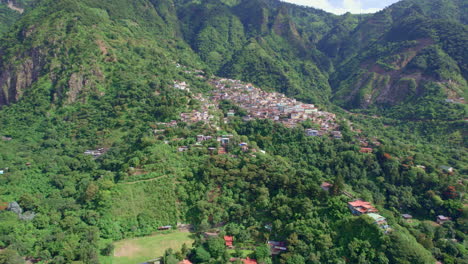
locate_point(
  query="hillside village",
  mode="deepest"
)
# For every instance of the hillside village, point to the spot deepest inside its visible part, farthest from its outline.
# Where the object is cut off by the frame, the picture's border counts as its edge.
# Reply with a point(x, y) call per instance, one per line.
point(259, 104)
point(271, 105)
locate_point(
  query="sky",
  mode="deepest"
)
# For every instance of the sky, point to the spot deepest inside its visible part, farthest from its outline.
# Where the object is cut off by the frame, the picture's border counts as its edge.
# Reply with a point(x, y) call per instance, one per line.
point(342, 6)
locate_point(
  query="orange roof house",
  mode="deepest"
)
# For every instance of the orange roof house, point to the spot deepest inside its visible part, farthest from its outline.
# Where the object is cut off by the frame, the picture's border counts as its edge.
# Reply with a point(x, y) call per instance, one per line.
point(185, 261)
point(3, 206)
point(245, 261)
point(366, 150)
point(326, 186)
point(360, 207)
point(249, 261)
point(228, 240)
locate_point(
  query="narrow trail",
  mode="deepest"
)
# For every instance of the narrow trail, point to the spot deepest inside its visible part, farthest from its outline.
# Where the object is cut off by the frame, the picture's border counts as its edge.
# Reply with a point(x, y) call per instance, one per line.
point(12, 6)
point(147, 180)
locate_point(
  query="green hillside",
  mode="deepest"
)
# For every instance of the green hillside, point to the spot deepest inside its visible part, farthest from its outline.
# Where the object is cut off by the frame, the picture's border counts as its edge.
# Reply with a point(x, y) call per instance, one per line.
point(404, 62)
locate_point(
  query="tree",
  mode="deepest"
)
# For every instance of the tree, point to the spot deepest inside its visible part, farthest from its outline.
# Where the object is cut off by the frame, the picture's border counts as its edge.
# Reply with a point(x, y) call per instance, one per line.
point(10, 256)
point(296, 259)
point(338, 185)
point(262, 254)
point(405, 249)
point(108, 250)
point(216, 247)
point(201, 255)
point(184, 250)
point(170, 259)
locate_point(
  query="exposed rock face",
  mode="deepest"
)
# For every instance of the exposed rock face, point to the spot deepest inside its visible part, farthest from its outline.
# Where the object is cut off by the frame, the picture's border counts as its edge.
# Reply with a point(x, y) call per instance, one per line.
point(13, 5)
point(15, 79)
point(75, 84)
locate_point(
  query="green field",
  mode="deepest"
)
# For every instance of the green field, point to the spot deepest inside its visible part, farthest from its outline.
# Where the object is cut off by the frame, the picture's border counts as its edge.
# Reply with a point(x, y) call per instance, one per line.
point(139, 250)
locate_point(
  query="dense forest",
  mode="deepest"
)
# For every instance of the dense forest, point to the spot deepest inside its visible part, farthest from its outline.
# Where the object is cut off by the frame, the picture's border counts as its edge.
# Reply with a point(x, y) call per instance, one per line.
point(95, 146)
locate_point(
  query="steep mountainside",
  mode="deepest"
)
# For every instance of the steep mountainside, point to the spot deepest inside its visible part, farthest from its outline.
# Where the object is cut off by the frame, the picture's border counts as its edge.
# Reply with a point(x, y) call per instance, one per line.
point(262, 46)
point(259, 41)
point(11, 11)
point(71, 51)
point(405, 60)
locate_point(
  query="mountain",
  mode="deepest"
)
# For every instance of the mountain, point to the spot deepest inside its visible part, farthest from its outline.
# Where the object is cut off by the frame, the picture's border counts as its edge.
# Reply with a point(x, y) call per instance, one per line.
point(405, 60)
point(88, 50)
point(373, 62)
point(10, 12)
point(239, 46)
point(249, 40)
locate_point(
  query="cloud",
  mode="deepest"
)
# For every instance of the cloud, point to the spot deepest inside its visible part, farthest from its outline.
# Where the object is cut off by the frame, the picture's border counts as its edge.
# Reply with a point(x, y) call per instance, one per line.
point(352, 6)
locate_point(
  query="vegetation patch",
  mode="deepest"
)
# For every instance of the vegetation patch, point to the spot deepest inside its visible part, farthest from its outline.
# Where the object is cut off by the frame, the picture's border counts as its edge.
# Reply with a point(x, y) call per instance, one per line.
point(139, 250)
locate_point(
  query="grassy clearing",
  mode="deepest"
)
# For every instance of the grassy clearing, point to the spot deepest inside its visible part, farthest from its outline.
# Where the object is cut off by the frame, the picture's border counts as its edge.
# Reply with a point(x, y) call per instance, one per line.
point(245, 252)
point(139, 250)
point(154, 201)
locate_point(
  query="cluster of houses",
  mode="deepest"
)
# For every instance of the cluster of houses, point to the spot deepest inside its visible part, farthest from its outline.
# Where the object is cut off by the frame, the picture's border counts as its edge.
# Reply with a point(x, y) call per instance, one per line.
point(198, 73)
point(360, 207)
point(181, 86)
point(274, 106)
point(172, 123)
point(365, 142)
point(276, 247)
point(96, 153)
point(201, 115)
point(223, 141)
point(440, 219)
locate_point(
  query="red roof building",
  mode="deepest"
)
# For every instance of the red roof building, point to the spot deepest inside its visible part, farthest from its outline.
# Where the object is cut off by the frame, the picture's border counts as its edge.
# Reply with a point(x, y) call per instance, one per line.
point(326, 186)
point(228, 240)
point(366, 150)
point(222, 151)
point(3, 206)
point(360, 207)
point(249, 261)
point(185, 261)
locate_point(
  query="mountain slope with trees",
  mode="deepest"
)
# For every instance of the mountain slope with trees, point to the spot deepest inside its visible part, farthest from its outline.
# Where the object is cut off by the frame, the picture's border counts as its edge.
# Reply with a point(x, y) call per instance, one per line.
point(405, 61)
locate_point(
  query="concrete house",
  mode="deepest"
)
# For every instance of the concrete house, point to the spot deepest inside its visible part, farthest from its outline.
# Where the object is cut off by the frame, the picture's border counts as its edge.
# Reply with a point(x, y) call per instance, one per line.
point(312, 132)
point(360, 207)
point(442, 219)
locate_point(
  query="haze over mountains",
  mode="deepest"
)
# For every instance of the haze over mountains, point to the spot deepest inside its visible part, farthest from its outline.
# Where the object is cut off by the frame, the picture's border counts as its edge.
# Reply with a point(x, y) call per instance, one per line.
point(340, 7)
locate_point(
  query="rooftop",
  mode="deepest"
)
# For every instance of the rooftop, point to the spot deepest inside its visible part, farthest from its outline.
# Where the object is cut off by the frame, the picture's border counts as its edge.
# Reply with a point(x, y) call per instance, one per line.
point(228, 240)
point(377, 217)
point(249, 261)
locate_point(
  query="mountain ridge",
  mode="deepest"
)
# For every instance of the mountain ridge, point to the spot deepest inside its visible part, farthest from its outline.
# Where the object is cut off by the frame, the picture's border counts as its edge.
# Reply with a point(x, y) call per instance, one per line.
point(279, 42)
